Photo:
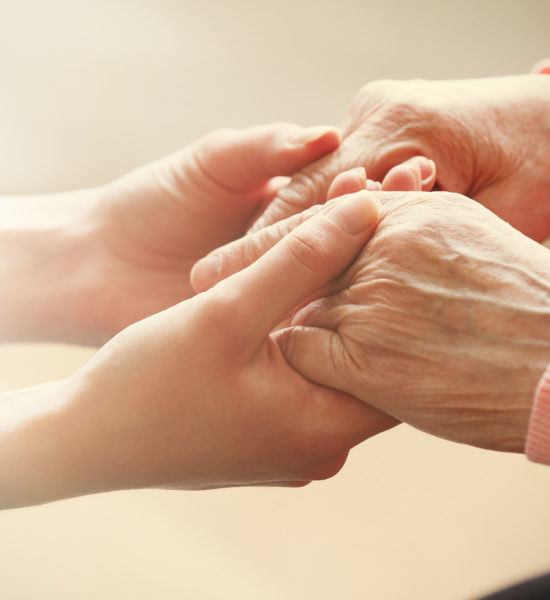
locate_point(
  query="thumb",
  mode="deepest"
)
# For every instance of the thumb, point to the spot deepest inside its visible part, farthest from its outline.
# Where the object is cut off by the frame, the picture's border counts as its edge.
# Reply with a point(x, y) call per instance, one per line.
point(321, 357)
point(313, 254)
point(243, 160)
point(240, 253)
point(313, 352)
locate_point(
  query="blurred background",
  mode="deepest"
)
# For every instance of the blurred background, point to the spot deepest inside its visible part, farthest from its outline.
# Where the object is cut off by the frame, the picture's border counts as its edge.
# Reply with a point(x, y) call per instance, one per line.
point(90, 89)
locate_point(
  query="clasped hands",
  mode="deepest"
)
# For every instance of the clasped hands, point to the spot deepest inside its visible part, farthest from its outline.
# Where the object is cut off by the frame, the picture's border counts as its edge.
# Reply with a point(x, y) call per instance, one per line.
point(328, 322)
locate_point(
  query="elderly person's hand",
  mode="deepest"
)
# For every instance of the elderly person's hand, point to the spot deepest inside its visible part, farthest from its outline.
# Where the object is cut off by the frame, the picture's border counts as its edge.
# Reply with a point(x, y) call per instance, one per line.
point(442, 322)
point(490, 139)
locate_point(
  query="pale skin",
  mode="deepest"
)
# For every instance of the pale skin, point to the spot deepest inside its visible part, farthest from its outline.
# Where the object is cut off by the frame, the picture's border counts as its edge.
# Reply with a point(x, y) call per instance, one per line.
point(80, 266)
point(198, 395)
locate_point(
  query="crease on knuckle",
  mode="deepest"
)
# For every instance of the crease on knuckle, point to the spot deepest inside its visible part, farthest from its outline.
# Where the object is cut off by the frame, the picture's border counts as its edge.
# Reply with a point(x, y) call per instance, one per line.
point(298, 193)
point(310, 251)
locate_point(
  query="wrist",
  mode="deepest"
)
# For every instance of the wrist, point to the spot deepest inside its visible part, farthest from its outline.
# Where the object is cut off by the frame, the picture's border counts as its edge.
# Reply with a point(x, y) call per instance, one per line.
point(39, 454)
point(45, 241)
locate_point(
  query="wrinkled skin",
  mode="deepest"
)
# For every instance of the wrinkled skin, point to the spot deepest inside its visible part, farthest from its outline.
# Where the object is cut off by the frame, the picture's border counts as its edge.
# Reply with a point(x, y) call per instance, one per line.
point(490, 139)
point(415, 174)
point(442, 322)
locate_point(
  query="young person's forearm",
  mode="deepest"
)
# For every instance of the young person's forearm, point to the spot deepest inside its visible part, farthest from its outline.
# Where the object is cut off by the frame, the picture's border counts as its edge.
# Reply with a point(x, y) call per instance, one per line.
point(44, 243)
point(36, 449)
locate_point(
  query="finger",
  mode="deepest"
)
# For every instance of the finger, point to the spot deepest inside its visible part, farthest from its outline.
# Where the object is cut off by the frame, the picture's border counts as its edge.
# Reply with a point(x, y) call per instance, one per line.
point(416, 174)
point(316, 353)
point(235, 256)
point(320, 356)
point(348, 182)
point(312, 255)
point(542, 67)
point(242, 252)
point(292, 484)
point(307, 188)
point(373, 186)
point(243, 160)
point(267, 194)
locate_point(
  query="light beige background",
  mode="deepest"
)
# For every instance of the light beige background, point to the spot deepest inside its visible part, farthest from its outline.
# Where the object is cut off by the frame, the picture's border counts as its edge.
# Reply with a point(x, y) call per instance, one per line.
point(91, 88)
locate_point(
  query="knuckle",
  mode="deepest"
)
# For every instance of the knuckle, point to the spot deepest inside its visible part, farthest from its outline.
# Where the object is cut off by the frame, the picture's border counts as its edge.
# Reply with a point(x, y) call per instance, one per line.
point(219, 136)
point(378, 89)
point(305, 189)
point(276, 232)
point(309, 251)
point(238, 255)
point(266, 238)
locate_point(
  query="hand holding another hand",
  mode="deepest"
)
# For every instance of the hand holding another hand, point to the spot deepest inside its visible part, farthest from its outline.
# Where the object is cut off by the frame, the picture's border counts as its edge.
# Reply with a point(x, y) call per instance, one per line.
point(442, 322)
point(150, 226)
point(490, 140)
point(199, 395)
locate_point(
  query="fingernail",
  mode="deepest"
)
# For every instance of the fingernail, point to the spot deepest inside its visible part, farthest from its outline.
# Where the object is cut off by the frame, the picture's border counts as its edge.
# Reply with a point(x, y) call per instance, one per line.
point(355, 213)
point(427, 169)
point(311, 134)
point(205, 273)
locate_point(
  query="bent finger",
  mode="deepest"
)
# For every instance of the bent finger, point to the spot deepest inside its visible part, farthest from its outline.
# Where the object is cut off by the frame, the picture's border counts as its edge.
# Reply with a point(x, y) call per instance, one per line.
point(415, 174)
point(348, 182)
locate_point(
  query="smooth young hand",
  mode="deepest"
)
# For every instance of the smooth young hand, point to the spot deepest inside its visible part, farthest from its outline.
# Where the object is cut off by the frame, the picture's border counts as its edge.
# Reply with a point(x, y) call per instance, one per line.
point(199, 395)
point(154, 223)
point(118, 253)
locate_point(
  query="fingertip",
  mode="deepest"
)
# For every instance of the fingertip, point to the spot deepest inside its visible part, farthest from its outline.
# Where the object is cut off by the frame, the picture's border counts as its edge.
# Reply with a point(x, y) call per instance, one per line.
point(348, 182)
point(291, 147)
point(415, 174)
point(402, 178)
point(317, 137)
point(428, 173)
point(205, 273)
point(357, 213)
point(542, 67)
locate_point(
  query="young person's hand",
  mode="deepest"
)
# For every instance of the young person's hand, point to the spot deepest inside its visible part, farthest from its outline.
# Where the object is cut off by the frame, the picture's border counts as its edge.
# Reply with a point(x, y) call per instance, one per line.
point(199, 395)
point(121, 252)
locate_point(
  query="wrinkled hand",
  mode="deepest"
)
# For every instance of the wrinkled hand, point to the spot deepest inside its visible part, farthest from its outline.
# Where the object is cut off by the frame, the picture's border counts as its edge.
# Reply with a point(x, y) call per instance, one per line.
point(490, 139)
point(150, 226)
point(442, 322)
point(200, 395)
